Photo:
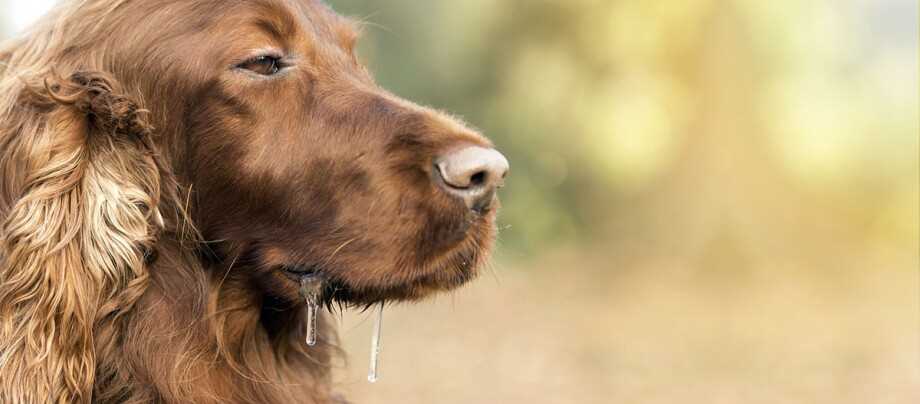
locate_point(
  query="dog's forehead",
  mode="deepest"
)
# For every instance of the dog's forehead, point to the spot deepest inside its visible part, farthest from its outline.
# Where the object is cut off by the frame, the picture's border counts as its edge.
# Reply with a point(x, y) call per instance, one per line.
point(312, 15)
point(281, 18)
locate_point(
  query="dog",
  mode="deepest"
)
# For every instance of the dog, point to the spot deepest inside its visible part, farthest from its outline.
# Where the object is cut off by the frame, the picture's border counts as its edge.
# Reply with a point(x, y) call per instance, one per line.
point(172, 170)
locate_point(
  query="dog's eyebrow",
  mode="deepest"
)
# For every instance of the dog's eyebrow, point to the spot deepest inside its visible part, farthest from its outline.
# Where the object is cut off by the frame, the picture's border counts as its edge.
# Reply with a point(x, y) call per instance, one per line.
point(345, 29)
point(280, 29)
point(275, 21)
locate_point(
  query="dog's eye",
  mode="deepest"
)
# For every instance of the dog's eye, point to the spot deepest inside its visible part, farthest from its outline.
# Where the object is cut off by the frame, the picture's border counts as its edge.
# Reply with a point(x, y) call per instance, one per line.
point(265, 65)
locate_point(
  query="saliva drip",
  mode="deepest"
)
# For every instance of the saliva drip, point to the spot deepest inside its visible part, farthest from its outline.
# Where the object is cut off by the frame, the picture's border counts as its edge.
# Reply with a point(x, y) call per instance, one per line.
point(374, 373)
point(310, 288)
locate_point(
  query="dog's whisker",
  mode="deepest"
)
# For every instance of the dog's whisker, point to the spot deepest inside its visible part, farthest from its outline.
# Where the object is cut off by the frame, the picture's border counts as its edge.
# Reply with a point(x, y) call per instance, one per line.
point(366, 22)
point(339, 248)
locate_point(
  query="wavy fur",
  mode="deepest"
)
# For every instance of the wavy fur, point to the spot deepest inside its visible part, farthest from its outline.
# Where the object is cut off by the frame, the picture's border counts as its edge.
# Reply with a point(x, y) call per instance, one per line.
point(87, 203)
point(84, 186)
point(80, 204)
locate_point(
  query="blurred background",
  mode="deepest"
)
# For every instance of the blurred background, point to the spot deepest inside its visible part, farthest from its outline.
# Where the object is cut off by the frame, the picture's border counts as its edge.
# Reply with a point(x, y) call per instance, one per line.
point(710, 201)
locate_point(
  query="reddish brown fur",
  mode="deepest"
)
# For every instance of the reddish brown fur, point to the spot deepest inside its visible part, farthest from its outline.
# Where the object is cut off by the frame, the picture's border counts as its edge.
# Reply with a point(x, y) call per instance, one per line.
point(154, 196)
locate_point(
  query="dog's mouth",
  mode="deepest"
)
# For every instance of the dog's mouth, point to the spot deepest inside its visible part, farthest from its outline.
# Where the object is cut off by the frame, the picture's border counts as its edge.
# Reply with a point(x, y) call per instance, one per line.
point(336, 289)
point(360, 283)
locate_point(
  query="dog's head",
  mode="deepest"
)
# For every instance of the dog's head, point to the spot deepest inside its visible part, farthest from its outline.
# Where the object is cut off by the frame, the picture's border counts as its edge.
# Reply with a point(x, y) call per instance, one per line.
point(302, 166)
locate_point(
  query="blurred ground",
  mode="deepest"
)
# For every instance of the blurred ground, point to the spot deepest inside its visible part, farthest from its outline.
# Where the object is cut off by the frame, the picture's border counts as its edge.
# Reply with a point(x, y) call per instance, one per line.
point(650, 332)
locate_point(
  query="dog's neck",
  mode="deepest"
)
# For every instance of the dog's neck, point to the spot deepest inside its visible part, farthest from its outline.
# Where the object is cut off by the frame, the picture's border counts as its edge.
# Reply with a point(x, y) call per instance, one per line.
point(202, 329)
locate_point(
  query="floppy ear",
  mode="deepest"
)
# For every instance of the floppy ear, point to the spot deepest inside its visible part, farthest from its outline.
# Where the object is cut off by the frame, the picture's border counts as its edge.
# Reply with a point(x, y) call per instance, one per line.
point(79, 209)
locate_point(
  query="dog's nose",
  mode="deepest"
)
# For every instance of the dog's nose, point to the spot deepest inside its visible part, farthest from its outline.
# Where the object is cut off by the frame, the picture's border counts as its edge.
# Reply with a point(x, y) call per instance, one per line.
point(473, 174)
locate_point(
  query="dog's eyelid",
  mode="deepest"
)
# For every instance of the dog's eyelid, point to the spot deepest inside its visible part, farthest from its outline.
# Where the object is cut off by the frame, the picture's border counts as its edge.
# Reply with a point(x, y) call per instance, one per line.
point(255, 52)
point(266, 63)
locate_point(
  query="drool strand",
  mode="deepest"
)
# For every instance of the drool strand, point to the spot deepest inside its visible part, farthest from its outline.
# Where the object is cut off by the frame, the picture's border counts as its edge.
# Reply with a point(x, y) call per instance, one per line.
point(373, 374)
point(310, 288)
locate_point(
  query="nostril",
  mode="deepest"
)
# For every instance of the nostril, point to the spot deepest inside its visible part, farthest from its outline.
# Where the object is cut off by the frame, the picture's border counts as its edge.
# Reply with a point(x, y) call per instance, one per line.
point(478, 179)
point(472, 174)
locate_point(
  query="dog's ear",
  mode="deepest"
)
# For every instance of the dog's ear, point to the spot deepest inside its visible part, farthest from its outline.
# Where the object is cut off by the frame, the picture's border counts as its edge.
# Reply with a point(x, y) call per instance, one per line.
point(81, 184)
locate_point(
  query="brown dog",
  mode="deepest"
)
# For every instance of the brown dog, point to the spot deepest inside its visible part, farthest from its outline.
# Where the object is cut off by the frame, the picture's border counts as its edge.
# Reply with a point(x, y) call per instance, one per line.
point(171, 169)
